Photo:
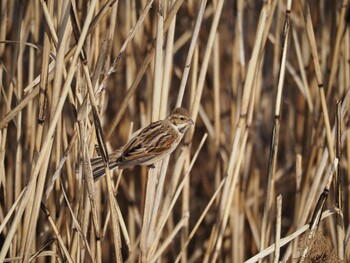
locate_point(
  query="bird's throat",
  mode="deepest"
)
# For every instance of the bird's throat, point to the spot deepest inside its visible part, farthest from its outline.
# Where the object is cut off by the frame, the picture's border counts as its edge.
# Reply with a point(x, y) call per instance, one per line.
point(182, 129)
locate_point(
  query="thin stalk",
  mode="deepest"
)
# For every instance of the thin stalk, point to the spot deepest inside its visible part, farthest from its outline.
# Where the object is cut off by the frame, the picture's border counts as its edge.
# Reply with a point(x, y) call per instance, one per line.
point(275, 133)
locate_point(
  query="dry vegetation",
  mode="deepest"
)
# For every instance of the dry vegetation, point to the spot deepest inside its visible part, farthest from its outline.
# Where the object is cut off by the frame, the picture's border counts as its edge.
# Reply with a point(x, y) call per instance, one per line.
point(267, 162)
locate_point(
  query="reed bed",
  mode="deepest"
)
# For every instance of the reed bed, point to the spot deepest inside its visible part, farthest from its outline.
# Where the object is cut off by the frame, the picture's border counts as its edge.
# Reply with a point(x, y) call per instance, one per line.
point(262, 176)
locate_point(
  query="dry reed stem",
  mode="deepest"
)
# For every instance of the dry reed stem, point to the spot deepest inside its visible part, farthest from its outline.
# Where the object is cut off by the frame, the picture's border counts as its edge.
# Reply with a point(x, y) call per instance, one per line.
point(199, 221)
point(150, 205)
point(142, 70)
point(34, 92)
point(278, 228)
point(139, 60)
point(336, 52)
point(203, 71)
point(58, 236)
point(287, 239)
point(114, 219)
point(190, 52)
point(76, 223)
point(168, 62)
point(47, 142)
point(230, 198)
point(302, 70)
point(39, 186)
point(170, 238)
point(276, 129)
point(11, 211)
point(339, 186)
point(317, 214)
point(174, 197)
point(311, 37)
point(240, 127)
point(298, 174)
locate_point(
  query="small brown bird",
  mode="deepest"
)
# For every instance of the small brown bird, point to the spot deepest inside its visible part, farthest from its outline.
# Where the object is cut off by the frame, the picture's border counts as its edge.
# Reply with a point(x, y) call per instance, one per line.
point(148, 145)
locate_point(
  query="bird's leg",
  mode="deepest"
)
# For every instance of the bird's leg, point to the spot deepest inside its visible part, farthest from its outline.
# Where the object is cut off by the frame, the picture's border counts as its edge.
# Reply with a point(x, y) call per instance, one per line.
point(97, 149)
point(152, 166)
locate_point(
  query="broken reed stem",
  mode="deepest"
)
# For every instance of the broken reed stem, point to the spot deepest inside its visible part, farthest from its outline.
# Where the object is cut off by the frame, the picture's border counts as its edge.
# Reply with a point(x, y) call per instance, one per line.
point(278, 228)
point(317, 214)
point(298, 174)
point(339, 187)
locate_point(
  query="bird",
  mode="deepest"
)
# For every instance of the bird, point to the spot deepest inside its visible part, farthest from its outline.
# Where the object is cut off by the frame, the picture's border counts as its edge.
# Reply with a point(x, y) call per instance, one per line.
point(149, 145)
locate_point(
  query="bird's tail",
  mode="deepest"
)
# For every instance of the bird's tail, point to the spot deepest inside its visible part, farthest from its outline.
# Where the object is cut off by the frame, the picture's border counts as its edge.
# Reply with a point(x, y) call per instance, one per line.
point(98, 166)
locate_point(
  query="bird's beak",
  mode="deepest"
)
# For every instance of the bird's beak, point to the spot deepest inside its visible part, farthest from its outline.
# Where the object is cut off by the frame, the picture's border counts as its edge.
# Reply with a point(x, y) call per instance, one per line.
point(191, 122)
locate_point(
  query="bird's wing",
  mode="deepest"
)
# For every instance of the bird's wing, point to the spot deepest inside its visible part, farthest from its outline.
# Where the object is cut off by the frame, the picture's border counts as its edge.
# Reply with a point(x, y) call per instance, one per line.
point(146, 147)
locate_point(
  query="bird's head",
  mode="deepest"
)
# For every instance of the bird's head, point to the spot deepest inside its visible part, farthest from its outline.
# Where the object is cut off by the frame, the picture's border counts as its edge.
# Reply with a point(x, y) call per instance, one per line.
point(181, 119)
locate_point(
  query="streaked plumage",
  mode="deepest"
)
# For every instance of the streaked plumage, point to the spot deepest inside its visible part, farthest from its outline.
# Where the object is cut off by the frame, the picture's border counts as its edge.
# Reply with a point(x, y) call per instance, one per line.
point(149, 145)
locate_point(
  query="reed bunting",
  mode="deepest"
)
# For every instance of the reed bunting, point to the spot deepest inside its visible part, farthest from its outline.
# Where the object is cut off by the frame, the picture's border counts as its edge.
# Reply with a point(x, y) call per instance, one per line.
point(148, 145)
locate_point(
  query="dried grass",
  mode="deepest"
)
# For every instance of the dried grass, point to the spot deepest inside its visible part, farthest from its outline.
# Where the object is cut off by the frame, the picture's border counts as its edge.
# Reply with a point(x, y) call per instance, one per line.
point(267, 84)
point(320, 249)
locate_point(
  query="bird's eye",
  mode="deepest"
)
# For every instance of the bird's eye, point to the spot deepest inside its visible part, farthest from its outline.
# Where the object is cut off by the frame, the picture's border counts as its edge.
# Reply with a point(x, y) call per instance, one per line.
point(182, 118)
